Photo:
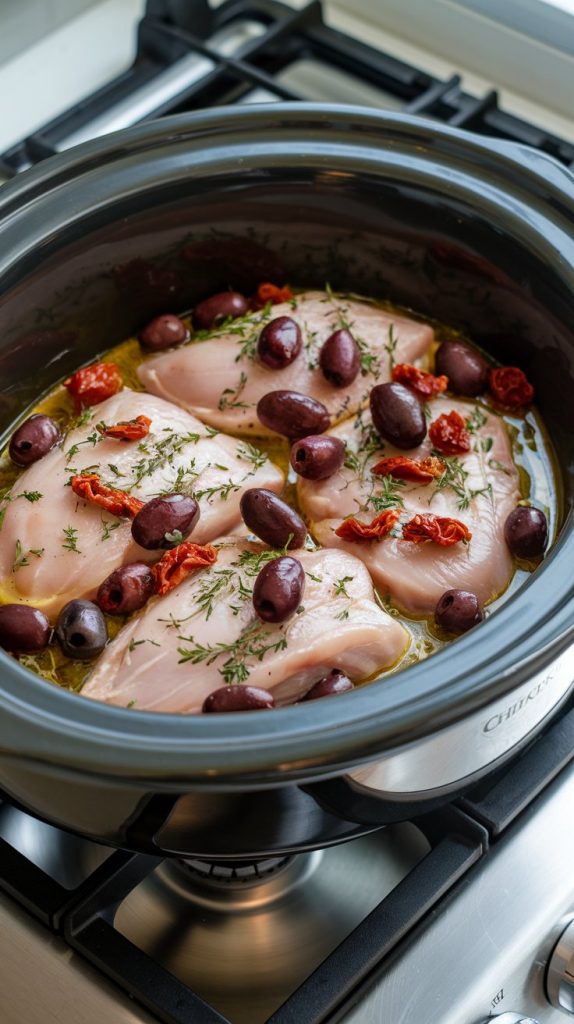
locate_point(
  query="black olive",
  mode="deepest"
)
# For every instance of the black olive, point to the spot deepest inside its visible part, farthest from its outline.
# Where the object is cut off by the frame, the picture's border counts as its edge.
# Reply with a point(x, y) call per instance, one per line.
point(465, 368)
point(81, 630)
point(163, 332)
point(397, 415)
point(210, 312)
point(458, 611)
point(317, 457)
point(23, 630)
point(279, 343)
point(292, 414)
point(126, 589)
point(278, 589)
point(164, 522)
point(238, 697)
point(526, 531)
point(340, 359)
point(272, 519)
point(330, 685)
point(34, 439)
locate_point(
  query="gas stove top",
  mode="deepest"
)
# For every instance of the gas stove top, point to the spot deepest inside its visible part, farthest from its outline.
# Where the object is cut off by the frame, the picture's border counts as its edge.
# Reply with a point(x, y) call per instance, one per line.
point(452, 918)
point(443, 919)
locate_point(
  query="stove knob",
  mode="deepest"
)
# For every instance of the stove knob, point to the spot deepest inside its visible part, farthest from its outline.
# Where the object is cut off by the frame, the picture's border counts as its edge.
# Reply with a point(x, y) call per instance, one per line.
point(511, 1018)
point(560, 973)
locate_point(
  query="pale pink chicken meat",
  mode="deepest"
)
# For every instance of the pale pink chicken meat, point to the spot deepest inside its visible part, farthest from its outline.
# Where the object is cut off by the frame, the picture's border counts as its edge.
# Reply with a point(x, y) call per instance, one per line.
point(220, 380)
point(479, 489)
point(205, 633)
point(57, 546)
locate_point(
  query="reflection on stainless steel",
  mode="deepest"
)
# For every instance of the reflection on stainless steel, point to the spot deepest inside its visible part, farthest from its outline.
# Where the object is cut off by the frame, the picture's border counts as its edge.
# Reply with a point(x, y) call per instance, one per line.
point(479, 739)
point(560, 976)
point(67, 859)
point(511, 1018)
point(166, 85)
point(245, 948)
point(43, 982)
point(488, 948)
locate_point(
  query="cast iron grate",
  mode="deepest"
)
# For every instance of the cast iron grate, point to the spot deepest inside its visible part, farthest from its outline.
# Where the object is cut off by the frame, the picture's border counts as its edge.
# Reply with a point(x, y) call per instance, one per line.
point(190, 56)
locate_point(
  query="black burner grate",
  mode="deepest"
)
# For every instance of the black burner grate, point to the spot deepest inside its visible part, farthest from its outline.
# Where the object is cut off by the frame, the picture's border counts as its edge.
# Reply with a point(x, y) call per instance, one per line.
point(190, 56)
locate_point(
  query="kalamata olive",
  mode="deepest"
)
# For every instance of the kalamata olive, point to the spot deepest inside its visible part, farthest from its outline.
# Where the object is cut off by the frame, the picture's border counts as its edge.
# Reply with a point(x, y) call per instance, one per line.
point(340, 360)
point(465, 368)
point(458, 610)
point(397, 415)
point(329, 685)
point(126, 589)
point(34, 439)
point(81, 630)
point(317, 457)
point(279, 343)
point(163, 332)
point(23, 630)
point(272, 519)
point(238, 697)
point(165, 522)
point(211, 311)
point(278, 589)
point(292, 414)
point(526, 531)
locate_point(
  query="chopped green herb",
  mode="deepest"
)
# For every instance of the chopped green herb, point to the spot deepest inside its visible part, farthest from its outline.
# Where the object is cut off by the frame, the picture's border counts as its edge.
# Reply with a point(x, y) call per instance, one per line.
point(476, 420)
point(30, 495)
point(108, 526)
point(71, 539)
point(340, 586)
point(21, 559)
point(391, 346)
point(225, 401)
point(174, 538)
point(250, 644)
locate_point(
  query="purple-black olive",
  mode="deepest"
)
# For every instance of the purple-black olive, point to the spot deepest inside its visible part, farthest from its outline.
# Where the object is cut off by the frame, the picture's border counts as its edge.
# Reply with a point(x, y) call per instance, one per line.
point(330, 685)
point(397, 415)
point(526, 531)
point(458, 611)
point(165, 522)
point(238, 697)
point(340, 360)
point(34, 439)
point(279, 343)
point(211, 311)
point(465, 368)
point(292, 414)
point(272, 519)
point(23, 630)
point(126, 589)
point(278, 589)
point(81, 630)
point(163, 332)
point(317, 457)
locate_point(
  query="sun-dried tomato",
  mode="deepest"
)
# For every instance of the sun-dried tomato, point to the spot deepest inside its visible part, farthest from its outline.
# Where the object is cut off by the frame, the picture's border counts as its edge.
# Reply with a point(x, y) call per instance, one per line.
point(127, 430)
point(401, 467)
point(440, 530)
point(272, 293)
point(179, 562)
point(449, 434)
point(119, 503)
point(510, 387)
point(93, 384)
point(354, 530)
point(424, 383)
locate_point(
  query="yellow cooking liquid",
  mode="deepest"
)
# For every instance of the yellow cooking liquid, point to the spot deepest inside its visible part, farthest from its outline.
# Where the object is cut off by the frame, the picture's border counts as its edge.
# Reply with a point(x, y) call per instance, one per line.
point(532, 451)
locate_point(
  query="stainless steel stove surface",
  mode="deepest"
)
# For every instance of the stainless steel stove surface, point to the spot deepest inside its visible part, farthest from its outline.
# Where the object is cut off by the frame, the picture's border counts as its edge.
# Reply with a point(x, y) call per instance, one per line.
point(446, 919)
point(452, 918)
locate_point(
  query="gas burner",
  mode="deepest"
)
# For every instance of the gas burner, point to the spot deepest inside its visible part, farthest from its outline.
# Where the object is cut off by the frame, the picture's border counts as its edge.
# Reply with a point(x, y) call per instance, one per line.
point(224, 874)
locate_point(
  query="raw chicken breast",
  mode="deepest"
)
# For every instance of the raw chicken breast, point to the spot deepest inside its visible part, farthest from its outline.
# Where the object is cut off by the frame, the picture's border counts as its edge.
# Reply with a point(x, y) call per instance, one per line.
point(57, 546)
point(221, 380)
point(205, 633)
point(415, 575)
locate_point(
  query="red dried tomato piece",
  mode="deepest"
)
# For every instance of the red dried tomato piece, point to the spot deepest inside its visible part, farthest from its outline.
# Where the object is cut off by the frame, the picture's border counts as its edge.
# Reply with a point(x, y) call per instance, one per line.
point(420, 471)
point(127, 430)
point(119, 503)
point(424, 383)
point(352, 529)
point(272, 293)
point(510, 387)
point(449, 434)
point(93, 384)
point(179, 562)
point(440, 530)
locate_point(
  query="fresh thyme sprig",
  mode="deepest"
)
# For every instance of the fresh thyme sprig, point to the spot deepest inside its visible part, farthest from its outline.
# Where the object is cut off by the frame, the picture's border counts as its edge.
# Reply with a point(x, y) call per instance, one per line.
point(251, 643)
point(20, 559)
point(229, 398)
point(391, 347)
point(71, 539)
